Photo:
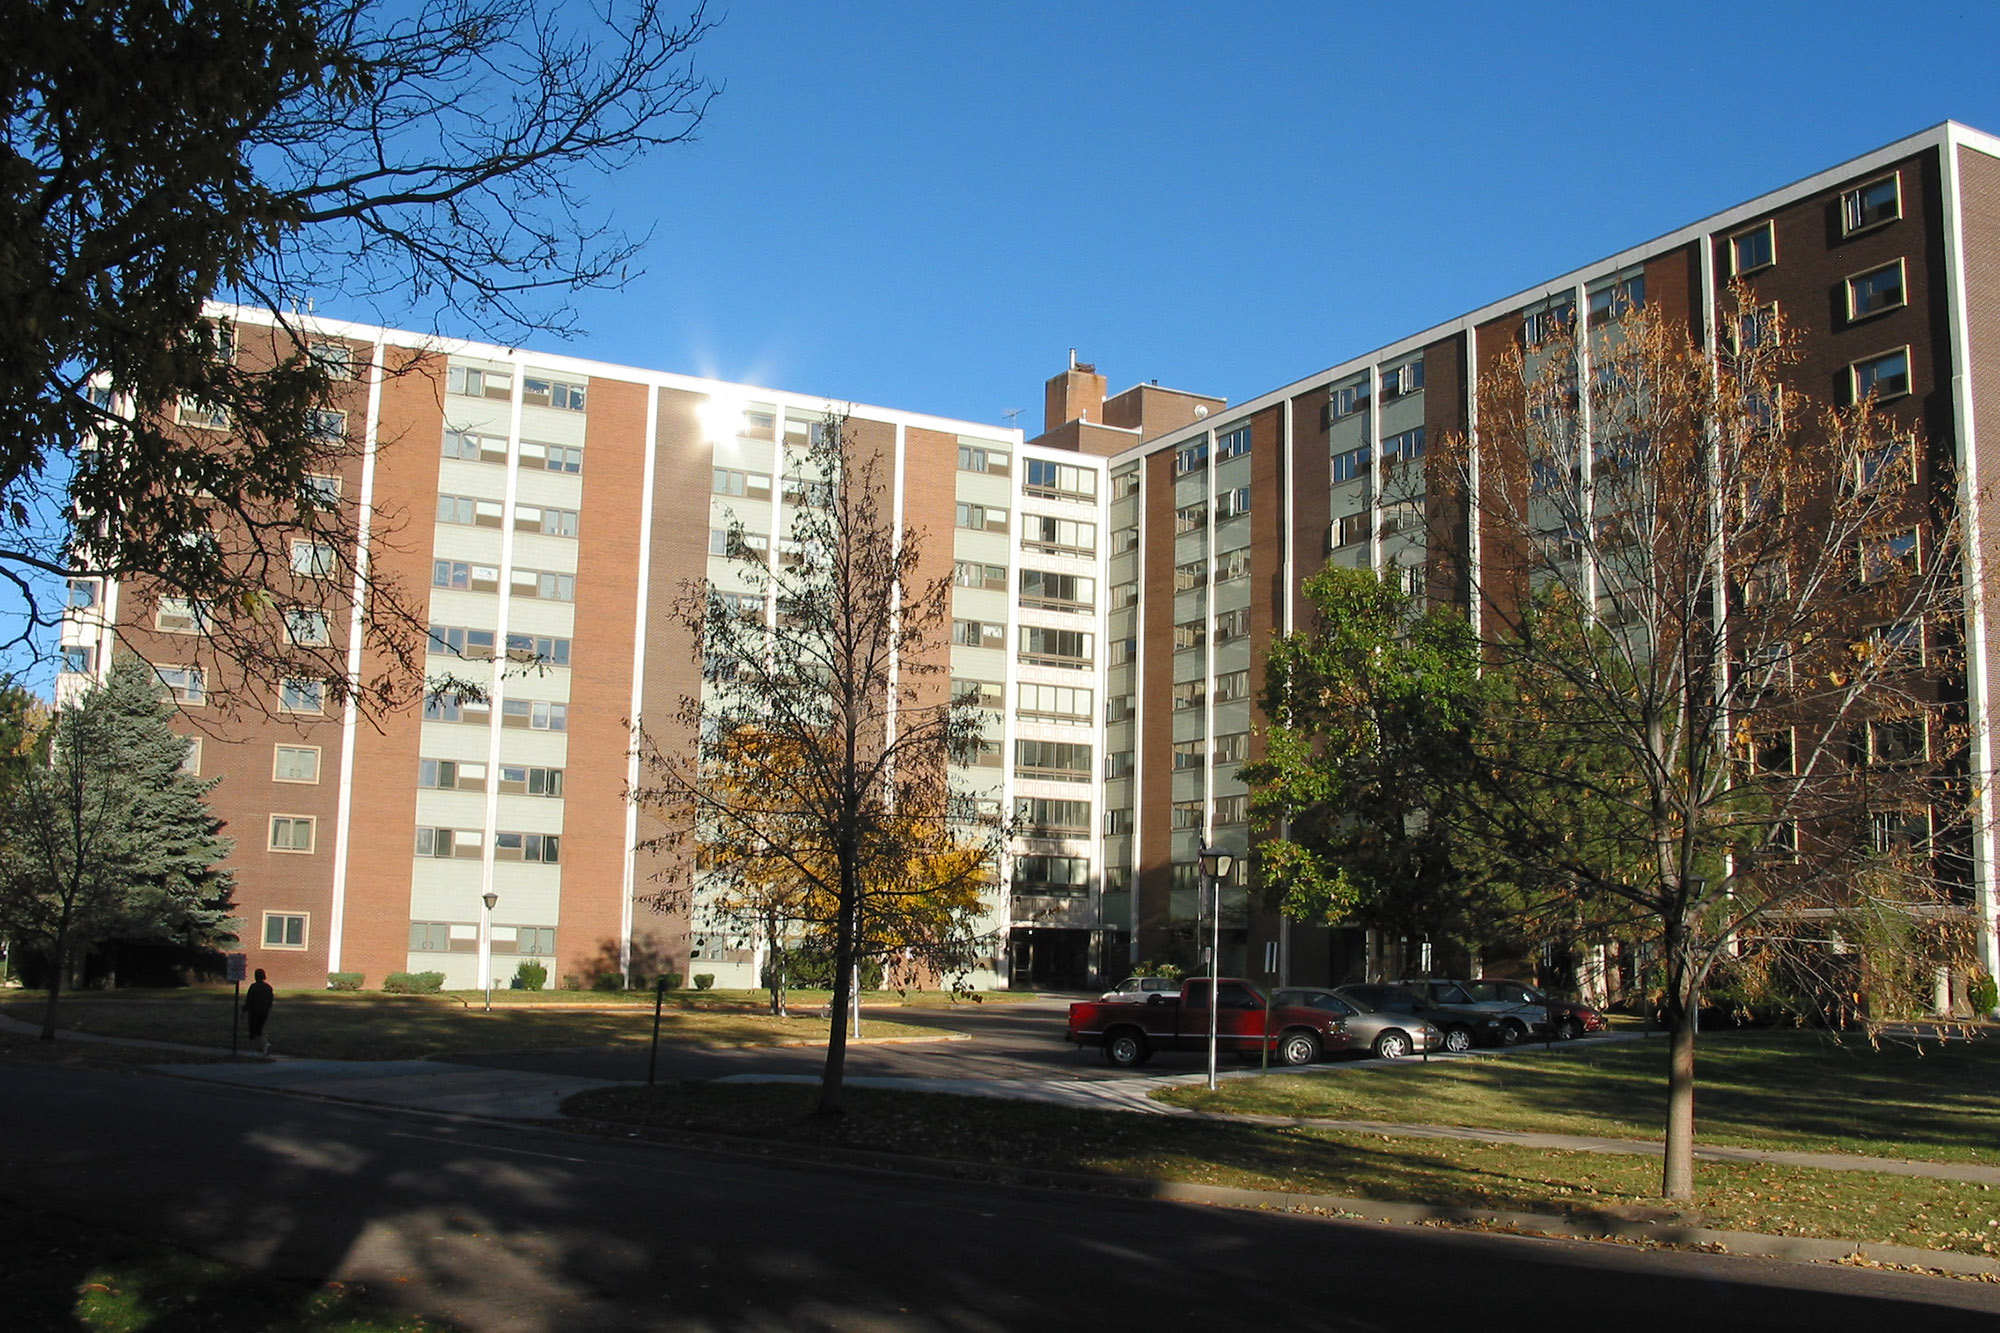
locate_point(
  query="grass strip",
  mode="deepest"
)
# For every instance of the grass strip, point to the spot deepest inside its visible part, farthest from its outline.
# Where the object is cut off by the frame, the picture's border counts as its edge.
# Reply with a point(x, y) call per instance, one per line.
point(62, 1273)
point(332, 1026)
point(988, 1132)
point(1795, 1091)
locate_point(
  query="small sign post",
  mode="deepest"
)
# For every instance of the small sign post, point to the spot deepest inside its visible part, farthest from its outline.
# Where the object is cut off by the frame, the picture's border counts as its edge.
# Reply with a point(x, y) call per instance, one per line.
point(237, 965)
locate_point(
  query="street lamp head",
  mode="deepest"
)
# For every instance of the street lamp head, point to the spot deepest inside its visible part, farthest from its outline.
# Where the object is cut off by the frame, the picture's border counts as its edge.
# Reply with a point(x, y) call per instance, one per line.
point(492, 899)
point(1215, 863)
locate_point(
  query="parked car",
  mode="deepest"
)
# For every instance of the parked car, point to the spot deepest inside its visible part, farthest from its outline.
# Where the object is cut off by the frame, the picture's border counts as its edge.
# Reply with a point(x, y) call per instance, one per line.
point(1519, 1019)
point(1568, 1019)
point(1244, 1025)
point(1390, 1035)
point(1140, 990)
point(1462, 1028)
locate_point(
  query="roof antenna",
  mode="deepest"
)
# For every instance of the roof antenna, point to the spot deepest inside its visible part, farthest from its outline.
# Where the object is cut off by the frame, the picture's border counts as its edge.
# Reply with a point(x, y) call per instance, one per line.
point(1072, 358)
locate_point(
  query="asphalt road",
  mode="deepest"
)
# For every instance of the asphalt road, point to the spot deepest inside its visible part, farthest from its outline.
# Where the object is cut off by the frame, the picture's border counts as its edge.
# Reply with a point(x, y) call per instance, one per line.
point(510, 1228)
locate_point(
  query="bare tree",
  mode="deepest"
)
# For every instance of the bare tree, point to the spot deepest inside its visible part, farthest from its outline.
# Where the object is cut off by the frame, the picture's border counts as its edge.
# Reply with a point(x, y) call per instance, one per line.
point(1722, 629)
point(819, 787)
point(283, 151)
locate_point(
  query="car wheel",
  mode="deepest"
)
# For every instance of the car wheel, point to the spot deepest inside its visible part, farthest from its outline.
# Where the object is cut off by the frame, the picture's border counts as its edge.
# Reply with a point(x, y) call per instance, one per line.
point(1511, 1033)
point(1392, 1045)
point(1297, 1048)
point(1126, 1047)
point(1568, 1028)
point(1458, 1040)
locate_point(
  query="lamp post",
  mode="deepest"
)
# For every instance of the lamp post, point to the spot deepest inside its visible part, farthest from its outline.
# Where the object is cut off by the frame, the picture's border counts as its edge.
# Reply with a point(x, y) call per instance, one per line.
point(491, 899)
point(1215, 865)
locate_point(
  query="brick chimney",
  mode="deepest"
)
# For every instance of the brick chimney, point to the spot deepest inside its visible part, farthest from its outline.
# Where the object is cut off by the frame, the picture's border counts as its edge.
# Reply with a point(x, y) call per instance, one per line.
point(1077, 394)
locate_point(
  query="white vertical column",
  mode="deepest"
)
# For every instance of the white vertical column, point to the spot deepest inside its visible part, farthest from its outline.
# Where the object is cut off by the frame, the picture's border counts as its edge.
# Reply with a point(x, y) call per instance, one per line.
point(498, 696)
point(640, 614)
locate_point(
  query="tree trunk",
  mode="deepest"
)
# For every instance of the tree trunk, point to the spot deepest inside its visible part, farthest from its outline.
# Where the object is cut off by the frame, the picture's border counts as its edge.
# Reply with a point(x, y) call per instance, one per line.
point(57, 962)
point(774, 962)
point(831, 1102)
point(1682, 1011)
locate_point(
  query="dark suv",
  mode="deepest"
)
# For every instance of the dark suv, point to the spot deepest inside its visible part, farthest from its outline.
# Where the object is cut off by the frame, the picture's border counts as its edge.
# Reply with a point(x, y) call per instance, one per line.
point(1461, 1027)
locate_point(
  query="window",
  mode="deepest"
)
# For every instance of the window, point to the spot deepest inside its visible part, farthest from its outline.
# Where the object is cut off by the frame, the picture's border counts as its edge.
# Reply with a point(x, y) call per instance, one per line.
point(1052, 876)
point(1900, 832)
point(1125, 483)
point(1884, 557)
point(1232, 504)
point(806, 492)
point(749, 485)
point(84, 593)
point(1233, 444)
point(1124, 540)
point(1190, 694)
point(478, 383)
point(1185, 815)
point(1061, 481)
point(444, 842)
point(979, 634)
point(1350, 529)
point(1054, 761)
point(1898, 740)
point(1753, 249)
point(1771, 751)
point(306, 627)
point(284, 930)
point(1058, 536)
point(291, 833)
point(533, 939)
point(1192, 518)
point(459, 509)
point(544, 649)
point(1551, 321)
point(1057, 592)
point(80, 658)
point(739, 544)
point(538, 847)
point(976, 574)
point(1123, 650)
point(1757, 328)
point(335, 360)
point(981, 518)
point(1877, 290)
point(185, 684)
point(1190, 634)
point(1882, 377)
point(1871, 205)
point(1231, 625)
point(324, 426)
point(1403, 516)
point(979, 458)
point(297, 694)
point(551, 457)
point(552, 393)
point(1232, 565)
point(1897, 645)
point(1233, 748)
point(1350, 398)
point(1231, 686)
point(205, 416)
point(1232, 809)
point(181, 615)
point(1117, 824)
point(1040, 646)
point(1190, 754)
point(1613, 303)
point(548, 586)
point(1350, 464)
point(314, 560)
point(522, 780)
point(1404, 379)
point(1190, 576)
point(1121, 708)
point(1891, 461)
point(191, 761)
point(557, 522)
point(534, 715)
point(1118, 764)
point(430, 937)
point(1042, 817)
point(317, 492)
point(474, 645)
point(1191, 459)
point(1406, 446)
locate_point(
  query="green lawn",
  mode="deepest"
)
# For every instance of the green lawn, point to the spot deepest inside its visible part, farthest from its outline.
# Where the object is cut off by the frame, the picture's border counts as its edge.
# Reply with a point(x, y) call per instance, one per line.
point(62, 1274)
point(1789, 1090)
point(362, 1026)
point(1006, 1134)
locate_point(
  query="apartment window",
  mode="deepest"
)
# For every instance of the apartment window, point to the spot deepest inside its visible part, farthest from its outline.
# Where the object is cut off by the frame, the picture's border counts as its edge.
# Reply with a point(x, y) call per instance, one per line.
point(1233, 748)
point(181, 615)
point(1190, 634)
point(1350, 529)
point(1871, 205)
point(1757, 328)
point(534, 715)
point(1881, 377)
point(1054, 761)
point(1058, 481)
point(739, 543)
point(441, 774)
point(478, 383)
point(1232, 565)
point(524, 780)
point(444, 842)
point(1185, 815)
point(551, 457)
point(1232, 625)
point(1551, 321)
point(1403, 516)
point(187, 685)
point(457, 509)
point(1233, 444)
point(334, 360)
point(84, 593)
point(1877, 290)
point(1232, 504)
point(1118, 764)
point(1117, 824)
point(559, 522)
point(1124, 540)
point(1052, 876)
point(1190, 576)
point(1884, 557)
point(1123, 650)
point(742, 605)
point(1231, 686)
point(1403, 447)
point(542, 848)
point(1121, 708)
point(285, 930)
point(1404, 379)
point(1232, 809)
point(552, 393)
point(1900, 644)
point(979, 634)
point(1350, 464)
point(551, 587)
point(1899, 740)
point(976, 574)
point(458, 574)
point(1056, 703)
point(1900, 832)
point(1041, 646)
point(1057, 592)
point(807, 493)
point(306, 627)
point(1042, 817)
point(981, 518)
point(474, 645)
point(79, 658)
point(430, 937)
point(978, 458)
point(314, 560)
point(1190, 754)
point(325, 426)
point(205, 416)
point(297, 694)
point(1611, 304)
point(1350, 398)
point(1190, 694)
point(1191, 459)
point(545, 649)
point(1193, 518)
point(191, 757)
point(1125, 483)
point(749, 485)
point(1753, 249)
point(291, 833)
point(1058, 536)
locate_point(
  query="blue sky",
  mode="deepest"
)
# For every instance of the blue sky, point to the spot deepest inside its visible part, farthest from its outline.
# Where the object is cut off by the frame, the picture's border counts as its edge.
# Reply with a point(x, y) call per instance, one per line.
point(926, 205)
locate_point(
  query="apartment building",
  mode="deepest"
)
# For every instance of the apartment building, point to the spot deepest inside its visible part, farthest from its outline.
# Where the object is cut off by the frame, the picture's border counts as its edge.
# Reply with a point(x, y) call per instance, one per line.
point(1116, 581)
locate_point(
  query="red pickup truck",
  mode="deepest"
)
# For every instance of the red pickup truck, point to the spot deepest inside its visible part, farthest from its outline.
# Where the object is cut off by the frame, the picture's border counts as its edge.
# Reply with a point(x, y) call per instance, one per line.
point(1130, 1033)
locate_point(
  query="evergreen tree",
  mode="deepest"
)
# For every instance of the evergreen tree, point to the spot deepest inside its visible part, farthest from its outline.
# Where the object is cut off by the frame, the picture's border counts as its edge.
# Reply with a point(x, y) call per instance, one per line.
point(110, 839)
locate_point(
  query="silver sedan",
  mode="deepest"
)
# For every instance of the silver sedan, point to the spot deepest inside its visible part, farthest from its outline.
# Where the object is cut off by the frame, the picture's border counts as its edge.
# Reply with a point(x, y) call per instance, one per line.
point(1388, 1034)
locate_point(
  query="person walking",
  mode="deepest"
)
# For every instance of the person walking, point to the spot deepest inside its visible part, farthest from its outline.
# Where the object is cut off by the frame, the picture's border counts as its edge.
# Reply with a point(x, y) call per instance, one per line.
point(257, 1002)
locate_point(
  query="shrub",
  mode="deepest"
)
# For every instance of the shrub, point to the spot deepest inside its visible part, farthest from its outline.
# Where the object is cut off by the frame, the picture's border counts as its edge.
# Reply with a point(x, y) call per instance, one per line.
point(1983, 993)
point(608, 981)
point(571, 981)
point(670, 980)
point(531, 975)
point(343, 981)
point(704, 980)
point(413, 983)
